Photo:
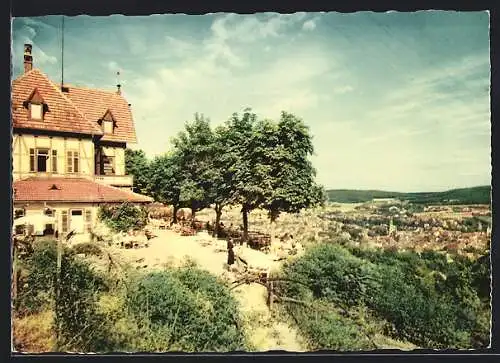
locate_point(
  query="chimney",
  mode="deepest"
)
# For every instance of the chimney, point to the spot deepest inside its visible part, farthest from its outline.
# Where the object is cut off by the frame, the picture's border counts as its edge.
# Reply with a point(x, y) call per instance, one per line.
point(28, 59)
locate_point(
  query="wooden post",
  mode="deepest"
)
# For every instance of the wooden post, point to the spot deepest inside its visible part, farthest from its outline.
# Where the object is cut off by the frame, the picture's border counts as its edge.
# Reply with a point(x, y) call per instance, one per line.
point(14, 268)
point(270, 295)
point(58, 286)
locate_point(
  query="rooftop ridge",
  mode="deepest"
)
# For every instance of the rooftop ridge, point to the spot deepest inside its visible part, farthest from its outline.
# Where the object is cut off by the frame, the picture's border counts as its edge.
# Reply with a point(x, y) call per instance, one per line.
point(98, 131)
point(91, 89)
point(26, 74)
point(84, 103)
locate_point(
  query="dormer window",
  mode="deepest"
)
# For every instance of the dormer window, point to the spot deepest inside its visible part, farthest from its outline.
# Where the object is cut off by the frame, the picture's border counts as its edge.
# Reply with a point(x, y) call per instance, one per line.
point(36, 111)
point(108, 123)
point(36, 106)
point(108, 127)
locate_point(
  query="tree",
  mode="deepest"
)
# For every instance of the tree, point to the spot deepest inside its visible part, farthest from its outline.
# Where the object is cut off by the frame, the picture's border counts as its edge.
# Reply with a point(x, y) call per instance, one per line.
point(245, 189)
point(194, 146)
point(137, 164)
point(269, 166)
point(166, 181)
point(285, 148)
point(222, 176)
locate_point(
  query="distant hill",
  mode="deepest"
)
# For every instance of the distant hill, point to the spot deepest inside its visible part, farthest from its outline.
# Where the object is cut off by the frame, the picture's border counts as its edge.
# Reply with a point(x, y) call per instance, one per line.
point(473, 195)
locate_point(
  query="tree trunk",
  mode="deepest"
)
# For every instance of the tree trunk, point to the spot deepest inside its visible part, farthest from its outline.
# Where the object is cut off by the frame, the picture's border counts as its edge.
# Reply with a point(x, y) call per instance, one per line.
point(273, 232)
point(244, 210)
point(218, 214)
point(193, 213)
point(273, 216)
point(174, 216)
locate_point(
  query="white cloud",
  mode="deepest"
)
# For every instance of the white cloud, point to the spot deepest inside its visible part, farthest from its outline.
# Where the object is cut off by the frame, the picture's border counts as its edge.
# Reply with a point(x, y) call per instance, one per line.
point(113, 66)
point(210, 78)
point(245, 28)
point(35, 23)
point(309, 25)
point(343, 89)
point(410, 132)
point(428, 101)
point(26, 35)
point(29, 31)
point(178, 47)
point(416, 136)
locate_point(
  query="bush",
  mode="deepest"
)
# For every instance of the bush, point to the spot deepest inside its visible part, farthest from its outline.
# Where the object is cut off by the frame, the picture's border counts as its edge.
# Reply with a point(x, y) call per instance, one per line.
point(87, 248)
point(417, 312)
point(438, 302)
point(333, 273)
point(329, 330)
point(186, 309)
point(427, 299)
point(79, 325)
point(124, 217)
point(37, 278)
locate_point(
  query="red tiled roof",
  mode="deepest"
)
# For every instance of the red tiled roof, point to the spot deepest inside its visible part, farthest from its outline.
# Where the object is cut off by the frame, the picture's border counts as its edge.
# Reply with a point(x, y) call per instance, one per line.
point(94, 103)
point(75, 111)
point(62, 114)
point(72, 190)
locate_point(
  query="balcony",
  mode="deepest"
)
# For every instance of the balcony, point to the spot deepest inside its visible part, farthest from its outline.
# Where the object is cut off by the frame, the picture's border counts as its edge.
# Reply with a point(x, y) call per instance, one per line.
point(115, 180)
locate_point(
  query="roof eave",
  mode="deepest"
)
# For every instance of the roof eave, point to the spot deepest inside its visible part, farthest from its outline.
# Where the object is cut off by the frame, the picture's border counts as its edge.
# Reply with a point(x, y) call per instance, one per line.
point(77, 201)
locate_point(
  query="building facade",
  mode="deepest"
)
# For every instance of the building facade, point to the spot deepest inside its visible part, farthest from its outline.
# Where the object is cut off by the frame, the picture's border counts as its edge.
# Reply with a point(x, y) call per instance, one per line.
point(68, 149)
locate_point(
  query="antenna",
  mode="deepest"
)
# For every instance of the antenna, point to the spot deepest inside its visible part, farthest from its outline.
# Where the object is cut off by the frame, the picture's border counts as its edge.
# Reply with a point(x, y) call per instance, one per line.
point(62, 52)
point(118, 85)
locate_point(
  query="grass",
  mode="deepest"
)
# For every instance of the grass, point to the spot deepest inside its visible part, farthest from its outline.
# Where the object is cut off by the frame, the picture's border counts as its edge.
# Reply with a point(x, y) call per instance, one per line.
point(34, 333)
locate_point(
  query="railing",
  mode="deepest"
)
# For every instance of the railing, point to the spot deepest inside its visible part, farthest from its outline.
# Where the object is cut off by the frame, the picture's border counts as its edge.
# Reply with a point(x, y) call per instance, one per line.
point(117, 180)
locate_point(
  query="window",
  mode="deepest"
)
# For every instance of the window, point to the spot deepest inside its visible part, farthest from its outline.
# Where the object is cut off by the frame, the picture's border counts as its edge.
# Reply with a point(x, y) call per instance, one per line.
point(36, 111)
point(64, 221)
point(108, 165)
point(18, 213)
point(72, 162)
point(108, 127)
point(38, 160)
point(32, 160)
point(19, 229)
point(88, 220)
point(54, 161)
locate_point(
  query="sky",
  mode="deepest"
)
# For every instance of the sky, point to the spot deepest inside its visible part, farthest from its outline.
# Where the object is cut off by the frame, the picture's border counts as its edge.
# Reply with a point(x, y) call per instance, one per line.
point(394, 101)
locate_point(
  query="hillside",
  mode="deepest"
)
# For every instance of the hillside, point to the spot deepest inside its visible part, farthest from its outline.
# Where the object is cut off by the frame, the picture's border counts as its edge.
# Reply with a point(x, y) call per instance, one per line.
point(473, 195)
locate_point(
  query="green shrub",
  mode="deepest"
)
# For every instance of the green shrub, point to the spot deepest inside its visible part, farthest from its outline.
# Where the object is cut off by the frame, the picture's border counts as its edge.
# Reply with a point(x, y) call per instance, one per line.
point(481, 277)
point(123, 217)
point(333, 273)
point(417, 312)
point(87, 248)
point(326, 329)
point(80, 327)
point(186, 309)
point(37, 276)
point(427, 299)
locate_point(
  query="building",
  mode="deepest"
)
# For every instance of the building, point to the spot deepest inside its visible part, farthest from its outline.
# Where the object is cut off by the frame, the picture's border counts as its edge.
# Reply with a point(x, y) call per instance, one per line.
point(68, 149)
point(385, 200)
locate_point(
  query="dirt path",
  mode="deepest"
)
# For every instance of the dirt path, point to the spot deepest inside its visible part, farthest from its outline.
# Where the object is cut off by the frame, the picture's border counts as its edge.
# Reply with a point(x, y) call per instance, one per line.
point(169, 248)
